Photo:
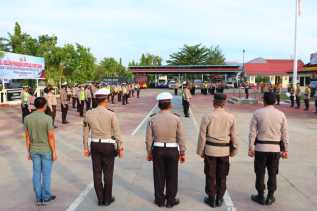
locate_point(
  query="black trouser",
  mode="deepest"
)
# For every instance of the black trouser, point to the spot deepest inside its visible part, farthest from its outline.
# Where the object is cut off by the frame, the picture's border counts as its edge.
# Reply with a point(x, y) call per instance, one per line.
point(165, 172)
point(216, 170)
point(186, 107)
point(306, 101)
point(132, 92)
point(213, 90)
point(138, 93)
point(316, 105)
point(74, 100)
point(102, 155)
point(246, 91)
point(125, 99)
point(94, 103)
point(81, 108)
point(25, 111)
point(64, 109)
point(175, 91)
point(298, 101)
point(112, 97)
point(278, 99)
point(88, 104)
point(292, 100)
point(78, 105)
point(263, 160)
point(119, 96)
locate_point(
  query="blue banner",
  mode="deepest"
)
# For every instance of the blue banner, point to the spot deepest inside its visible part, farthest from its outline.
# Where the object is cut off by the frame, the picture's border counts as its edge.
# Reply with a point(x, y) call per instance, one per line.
point(19, 66)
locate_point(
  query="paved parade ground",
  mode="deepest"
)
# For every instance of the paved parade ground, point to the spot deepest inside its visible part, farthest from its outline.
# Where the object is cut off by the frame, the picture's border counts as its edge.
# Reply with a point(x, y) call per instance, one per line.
point(133, 179)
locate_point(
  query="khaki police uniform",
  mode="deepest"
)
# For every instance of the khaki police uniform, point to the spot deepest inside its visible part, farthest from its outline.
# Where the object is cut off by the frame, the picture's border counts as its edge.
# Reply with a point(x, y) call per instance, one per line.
point(268, 137)
point(165, 141)
point(307, 94)
point(103, 126)
point(137, 88)
point(298, 94)
point(125, 95)
point(186, 101)
point(64, 104)
point(217, 141)
point(88, 97)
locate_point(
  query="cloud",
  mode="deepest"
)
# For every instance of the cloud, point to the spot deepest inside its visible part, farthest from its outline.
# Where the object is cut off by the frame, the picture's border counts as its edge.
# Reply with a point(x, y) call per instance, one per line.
point(131, 27)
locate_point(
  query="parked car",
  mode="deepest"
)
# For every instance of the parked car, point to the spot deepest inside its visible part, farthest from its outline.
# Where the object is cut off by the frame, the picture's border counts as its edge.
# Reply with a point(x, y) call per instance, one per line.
point(171, 84)
point(230, 85)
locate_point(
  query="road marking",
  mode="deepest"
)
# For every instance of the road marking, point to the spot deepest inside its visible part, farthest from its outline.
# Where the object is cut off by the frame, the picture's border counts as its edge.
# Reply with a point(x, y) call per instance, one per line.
point(80, 198)
point(142, 122)
point(227, 199)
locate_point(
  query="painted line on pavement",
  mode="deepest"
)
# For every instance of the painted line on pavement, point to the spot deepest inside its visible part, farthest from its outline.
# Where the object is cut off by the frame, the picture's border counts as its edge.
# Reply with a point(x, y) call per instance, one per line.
point(80, 198)
point(227, 199)
point(142, 122)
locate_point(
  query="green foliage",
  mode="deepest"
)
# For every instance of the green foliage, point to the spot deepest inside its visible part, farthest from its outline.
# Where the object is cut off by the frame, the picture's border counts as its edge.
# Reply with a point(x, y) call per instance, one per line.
point(111, 68)
point(147, 60)
point(197, 55)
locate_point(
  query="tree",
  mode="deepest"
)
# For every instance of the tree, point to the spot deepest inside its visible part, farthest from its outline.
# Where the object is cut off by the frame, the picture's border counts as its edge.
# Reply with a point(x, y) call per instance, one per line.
point(197, 55)
point(147, 60)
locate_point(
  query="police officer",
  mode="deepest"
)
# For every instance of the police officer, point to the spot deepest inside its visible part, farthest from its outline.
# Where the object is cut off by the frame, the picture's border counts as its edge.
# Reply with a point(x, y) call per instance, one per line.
point(268, 140)
point(64, 103)
point(186, 99)
point(217, 140)
point(165, 145)
point(25, 102)
point(106, 143)
point(292, 95)
point(298, 94)
point(315, 95)
point(307, 94)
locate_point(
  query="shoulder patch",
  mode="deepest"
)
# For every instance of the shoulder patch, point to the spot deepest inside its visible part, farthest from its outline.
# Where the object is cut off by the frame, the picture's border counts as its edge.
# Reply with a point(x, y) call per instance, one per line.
point(152, 114)
point(176, 114)
point(110, 110)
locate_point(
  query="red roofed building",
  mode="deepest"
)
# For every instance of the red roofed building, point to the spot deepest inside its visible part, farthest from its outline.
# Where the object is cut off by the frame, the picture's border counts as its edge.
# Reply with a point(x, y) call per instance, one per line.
point(276, 70)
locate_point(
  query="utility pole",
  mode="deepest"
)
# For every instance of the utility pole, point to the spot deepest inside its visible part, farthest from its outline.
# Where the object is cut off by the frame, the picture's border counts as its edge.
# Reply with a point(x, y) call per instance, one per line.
point(295, 65)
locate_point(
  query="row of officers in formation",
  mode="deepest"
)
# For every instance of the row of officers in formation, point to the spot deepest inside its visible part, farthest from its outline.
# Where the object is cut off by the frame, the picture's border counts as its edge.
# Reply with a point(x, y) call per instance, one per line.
point(80, 97)
point(165, 144)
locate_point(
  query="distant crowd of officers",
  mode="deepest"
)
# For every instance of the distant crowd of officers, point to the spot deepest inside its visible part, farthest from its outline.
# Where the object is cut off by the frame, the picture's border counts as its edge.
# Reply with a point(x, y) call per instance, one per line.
point(80, 97)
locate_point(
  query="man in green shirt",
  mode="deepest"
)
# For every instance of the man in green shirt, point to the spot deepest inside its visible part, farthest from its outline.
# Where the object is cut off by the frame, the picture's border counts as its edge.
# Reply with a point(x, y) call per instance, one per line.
point(40, 144)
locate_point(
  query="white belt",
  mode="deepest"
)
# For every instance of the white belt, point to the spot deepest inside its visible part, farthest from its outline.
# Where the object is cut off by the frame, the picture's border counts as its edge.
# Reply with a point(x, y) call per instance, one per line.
point(100, 140)
point(161, 144)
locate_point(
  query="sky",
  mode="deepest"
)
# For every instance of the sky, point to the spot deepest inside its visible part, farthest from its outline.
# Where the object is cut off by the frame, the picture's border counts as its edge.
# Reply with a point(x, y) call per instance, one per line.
point(127, 28)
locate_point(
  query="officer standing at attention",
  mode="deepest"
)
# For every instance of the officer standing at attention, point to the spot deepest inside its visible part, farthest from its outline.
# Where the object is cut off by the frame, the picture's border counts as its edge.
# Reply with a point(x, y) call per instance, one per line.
point(165, 145)
point(268, 140)
point(186, 99)
point(64, 103)
point(298, 94)
point(106, 143)
point(307, 94)
point(25, 102)
point(217, 140)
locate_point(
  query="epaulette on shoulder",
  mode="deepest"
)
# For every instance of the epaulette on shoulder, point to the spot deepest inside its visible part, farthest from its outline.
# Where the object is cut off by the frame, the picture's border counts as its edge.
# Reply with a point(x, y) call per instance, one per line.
point(152, 115)
point(176, 114)
point(110, 110)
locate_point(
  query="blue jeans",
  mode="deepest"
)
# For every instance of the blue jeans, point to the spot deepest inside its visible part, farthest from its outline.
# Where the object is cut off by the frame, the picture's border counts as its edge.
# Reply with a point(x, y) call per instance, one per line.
point(42, 168)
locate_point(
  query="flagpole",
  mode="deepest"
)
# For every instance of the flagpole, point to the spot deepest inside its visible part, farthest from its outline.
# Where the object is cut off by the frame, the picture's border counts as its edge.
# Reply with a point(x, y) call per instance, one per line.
point(295, 66)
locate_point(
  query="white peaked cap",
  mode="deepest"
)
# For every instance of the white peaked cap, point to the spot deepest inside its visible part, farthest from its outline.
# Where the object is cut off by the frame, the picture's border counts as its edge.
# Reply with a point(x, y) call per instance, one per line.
point(164, 96)
point(102, 92)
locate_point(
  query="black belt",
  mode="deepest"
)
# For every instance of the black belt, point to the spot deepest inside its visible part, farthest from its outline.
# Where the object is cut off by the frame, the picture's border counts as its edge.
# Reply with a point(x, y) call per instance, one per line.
point(267, 142)
point(218, 144)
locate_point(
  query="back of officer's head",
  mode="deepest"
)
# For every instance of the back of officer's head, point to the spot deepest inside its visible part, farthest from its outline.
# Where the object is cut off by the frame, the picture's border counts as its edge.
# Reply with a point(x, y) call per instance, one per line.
point(219, 100)
point(269, 98)
point(164, 104)
point(40, 102)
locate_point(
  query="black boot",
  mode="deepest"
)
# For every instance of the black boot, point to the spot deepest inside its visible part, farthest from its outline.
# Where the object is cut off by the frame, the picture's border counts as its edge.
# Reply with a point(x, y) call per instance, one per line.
point(219, 201)
point(210, 201)
point(270, 199)
point(258, 198)
point(172, 204)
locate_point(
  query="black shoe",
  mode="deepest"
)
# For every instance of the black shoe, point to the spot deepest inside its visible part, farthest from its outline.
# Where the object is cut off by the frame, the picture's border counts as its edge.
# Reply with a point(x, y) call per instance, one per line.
point(258, 199)
point(270, 199)
point(66, 122)
point(101, 203)
point(210, 201)
point(55, 126)
point(109, 202)
point(219, 202)
point(159, 203)
point(172, 204)
point(52, 198)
